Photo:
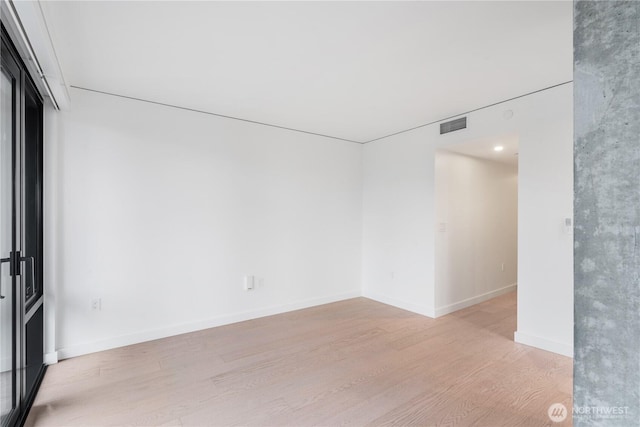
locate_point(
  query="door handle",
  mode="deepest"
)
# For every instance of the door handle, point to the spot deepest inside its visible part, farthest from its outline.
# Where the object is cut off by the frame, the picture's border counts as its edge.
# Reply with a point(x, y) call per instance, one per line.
point(2, 261)
point(33, 268)
point(24, 258)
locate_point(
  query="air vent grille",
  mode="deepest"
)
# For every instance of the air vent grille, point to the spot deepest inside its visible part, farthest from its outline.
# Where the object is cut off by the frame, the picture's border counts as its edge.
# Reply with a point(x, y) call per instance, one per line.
point(453, 125)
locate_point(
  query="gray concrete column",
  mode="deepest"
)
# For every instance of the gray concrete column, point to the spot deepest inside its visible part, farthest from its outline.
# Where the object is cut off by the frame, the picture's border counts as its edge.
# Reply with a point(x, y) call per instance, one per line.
point(607, 213)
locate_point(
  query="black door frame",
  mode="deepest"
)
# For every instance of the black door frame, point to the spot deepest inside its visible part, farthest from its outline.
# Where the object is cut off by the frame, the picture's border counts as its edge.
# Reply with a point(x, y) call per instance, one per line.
point(13, 69)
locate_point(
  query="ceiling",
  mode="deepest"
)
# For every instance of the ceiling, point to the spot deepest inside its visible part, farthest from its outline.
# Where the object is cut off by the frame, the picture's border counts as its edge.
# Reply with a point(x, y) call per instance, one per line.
point(352, 70)
point(484, 149)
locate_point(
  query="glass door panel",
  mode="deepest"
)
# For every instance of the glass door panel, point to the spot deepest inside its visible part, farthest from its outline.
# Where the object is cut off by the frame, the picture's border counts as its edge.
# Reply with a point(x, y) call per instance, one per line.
point(7, 296)
point(32, 251)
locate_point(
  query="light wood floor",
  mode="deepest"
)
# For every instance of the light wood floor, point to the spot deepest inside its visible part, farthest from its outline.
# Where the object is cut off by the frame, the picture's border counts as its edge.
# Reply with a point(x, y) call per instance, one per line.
point(355, 362)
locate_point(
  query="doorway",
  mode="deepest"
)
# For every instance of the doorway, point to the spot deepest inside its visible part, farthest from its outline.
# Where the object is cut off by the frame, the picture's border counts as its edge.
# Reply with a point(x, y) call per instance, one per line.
point(476, 188)
point(21, 243)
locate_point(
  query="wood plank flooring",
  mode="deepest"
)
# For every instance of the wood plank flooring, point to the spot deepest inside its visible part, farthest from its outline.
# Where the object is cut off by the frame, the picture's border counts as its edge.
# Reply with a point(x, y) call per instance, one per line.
point(354, 362)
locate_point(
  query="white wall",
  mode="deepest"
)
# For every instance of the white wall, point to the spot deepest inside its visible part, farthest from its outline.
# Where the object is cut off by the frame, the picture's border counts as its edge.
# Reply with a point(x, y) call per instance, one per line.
point(399, 217)
point(52, 240)
point(545, 249)
point(477, 230)
point(160, 212)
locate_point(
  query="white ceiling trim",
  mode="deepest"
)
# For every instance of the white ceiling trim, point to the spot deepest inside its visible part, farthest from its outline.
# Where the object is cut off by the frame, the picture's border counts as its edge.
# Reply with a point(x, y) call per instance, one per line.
point(314, 133)
point(214, 114)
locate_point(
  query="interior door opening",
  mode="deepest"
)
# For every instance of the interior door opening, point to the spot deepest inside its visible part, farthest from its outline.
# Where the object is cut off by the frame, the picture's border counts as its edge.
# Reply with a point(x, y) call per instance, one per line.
point(476, 187)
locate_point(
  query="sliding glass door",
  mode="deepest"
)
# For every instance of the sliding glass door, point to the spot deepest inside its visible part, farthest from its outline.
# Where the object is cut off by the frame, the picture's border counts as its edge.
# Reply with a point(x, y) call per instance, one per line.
point(9, 299)
point(21, 254)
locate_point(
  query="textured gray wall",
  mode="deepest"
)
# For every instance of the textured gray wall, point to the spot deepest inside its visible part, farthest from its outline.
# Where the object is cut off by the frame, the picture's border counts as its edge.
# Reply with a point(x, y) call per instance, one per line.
point(607, 211)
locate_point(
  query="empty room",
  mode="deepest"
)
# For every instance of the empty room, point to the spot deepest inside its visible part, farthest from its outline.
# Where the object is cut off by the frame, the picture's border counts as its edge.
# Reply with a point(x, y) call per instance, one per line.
point(311, 213)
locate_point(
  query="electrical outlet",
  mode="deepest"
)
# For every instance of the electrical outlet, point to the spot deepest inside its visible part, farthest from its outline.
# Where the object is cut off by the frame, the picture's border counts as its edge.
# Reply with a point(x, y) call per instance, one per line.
point(96, 304)
point(502, 266)
point(249, 283)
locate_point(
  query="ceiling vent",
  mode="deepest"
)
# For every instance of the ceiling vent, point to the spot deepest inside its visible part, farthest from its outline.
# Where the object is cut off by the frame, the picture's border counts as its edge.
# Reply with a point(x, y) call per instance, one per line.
point(453, 125)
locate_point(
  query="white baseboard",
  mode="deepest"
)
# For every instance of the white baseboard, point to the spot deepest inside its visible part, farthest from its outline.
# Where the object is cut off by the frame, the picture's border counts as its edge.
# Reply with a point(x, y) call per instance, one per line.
point(51, 358)
point(544, 344)
point(441, 311)
point(414, 308)
point(135, 338)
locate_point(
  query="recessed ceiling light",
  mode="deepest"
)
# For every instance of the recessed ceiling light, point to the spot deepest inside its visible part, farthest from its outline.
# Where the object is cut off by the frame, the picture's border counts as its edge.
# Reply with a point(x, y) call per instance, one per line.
point(498, 148)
